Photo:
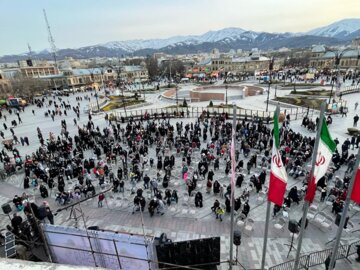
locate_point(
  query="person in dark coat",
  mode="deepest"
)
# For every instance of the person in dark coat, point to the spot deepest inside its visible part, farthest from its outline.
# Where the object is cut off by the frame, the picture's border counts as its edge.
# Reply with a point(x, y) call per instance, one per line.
point(43, 191)
point(239, 180)
point(358, 253)
point(16, 222)
point(293, 194)
point(26, 182)
point(216, 187)
point(227, 204)
point(327, 261)
point(159, 163)
point(237, 204)
point(198, 199)
point(262, 177)
point(215, 205)
point(246, 208)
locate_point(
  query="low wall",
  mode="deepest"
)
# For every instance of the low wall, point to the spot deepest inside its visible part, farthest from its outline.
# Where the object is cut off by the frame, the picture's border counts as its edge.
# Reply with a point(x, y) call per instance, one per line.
point(200, 94)
point(250, 90)
point(169, 93)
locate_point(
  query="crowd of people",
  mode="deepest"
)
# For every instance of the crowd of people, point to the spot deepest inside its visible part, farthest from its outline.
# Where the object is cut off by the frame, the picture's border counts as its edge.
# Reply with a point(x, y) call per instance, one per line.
point(147, 158)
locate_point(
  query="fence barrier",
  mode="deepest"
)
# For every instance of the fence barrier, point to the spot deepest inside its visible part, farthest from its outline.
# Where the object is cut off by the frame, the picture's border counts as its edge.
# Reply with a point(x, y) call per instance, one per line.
point(318, 257)
point(195, 112)
point(350, 90)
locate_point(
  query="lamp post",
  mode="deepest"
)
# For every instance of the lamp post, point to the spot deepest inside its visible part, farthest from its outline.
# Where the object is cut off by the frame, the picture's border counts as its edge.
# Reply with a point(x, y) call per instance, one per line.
point(123, 99)
point(177, 99)
point(337, 62)
point(143, 85)
point(226, 94)
point(97, 101)
point(337, 58)
point(271, 65)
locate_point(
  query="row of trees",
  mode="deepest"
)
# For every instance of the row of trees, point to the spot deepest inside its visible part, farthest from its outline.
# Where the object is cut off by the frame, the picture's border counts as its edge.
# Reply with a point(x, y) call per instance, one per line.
point(21, 86)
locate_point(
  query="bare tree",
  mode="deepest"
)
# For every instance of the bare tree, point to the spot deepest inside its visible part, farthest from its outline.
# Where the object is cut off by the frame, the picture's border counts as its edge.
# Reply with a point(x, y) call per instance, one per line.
point(152, 67)
point(27, 87)
point(172, 68)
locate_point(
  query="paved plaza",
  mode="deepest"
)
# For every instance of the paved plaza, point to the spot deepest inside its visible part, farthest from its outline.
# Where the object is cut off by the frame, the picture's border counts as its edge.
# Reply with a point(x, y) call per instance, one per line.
point(183, 221)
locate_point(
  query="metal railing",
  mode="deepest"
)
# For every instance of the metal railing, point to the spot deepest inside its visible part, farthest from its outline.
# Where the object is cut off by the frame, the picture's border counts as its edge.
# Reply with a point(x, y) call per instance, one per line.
point(318, 257)
point(195, 112)
point(352, 248)
point(350, 89)
point(93, 106)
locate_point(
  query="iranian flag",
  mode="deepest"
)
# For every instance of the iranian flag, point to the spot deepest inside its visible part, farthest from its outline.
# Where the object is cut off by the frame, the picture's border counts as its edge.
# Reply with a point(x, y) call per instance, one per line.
point(355, 195)
point(323, 158)
point(278, 176)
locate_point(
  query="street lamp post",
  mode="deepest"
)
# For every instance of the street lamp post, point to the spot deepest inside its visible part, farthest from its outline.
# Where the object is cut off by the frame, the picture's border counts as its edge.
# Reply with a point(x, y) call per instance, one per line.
point(338, 56)
point(226, 95)
point(332, 87)
point(143, 85)
point(294, 84)
point(336, 80)
point(177, 98)
point(271, 65)
point(123, 97)
point(97, 101)
point(284, 76)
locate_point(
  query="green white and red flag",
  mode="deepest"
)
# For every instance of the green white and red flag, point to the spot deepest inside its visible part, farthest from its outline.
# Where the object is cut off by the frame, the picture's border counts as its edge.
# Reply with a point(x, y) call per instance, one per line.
point(278, 175)
point(355, 194)
point(324, 154)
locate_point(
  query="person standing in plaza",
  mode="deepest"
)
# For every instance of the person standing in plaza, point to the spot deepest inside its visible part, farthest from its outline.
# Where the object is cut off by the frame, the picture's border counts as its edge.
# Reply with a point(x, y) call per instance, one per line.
point(356, 119)
point(100, 199)
point(327, 261)
point(356, 105)
point(219, 211)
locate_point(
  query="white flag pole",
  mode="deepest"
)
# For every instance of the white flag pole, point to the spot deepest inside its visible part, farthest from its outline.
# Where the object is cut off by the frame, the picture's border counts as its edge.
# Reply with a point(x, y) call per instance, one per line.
point(232, 190)
point(344, 212)
point(268, 208)
point(306, 204)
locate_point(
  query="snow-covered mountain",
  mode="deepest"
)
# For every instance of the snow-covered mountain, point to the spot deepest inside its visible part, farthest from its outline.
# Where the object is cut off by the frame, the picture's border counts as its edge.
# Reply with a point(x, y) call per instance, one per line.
point(346, 29)
point(211, 36)
point(341, 32)
point(340, 29)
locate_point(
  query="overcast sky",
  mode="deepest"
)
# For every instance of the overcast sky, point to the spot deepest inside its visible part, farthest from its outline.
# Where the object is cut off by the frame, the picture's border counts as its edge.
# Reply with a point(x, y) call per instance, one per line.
point(76, 23)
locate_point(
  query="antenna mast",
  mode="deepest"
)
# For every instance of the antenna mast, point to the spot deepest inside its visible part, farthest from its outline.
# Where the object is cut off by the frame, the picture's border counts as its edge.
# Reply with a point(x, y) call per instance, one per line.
point(30, 51)
point(51, 39)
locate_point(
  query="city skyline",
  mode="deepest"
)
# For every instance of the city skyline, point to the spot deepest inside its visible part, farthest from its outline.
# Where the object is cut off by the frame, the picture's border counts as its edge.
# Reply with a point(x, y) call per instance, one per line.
point(84, 23)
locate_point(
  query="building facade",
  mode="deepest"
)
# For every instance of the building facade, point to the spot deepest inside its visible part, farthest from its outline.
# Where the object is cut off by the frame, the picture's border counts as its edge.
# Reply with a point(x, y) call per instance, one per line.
point(228, 64)
point(323, 58)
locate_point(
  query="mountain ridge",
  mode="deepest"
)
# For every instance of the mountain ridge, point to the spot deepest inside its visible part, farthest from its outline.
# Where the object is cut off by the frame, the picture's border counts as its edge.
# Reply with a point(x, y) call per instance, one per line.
point(340, 32)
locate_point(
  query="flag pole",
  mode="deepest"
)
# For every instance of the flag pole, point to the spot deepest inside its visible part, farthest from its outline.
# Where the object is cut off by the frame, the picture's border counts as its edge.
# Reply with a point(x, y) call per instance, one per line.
point(344, 212)
point(307, 204)
point(268, 208)
point(232, 190)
